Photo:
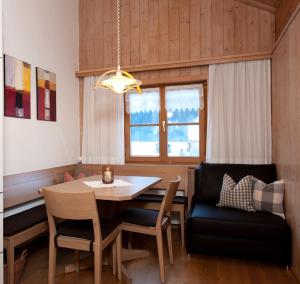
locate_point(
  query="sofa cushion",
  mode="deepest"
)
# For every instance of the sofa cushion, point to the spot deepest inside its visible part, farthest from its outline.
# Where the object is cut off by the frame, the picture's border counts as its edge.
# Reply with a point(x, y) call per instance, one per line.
point(24, 220)
point(210, 220)
point(68, 177)
point(268, 197)
point(209, 177)
point(158, 198)
point(236, 195)
point(84, 228)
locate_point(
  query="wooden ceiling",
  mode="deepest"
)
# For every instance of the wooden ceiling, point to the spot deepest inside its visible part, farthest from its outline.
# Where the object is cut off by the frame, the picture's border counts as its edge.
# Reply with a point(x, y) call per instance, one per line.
point(269, 5)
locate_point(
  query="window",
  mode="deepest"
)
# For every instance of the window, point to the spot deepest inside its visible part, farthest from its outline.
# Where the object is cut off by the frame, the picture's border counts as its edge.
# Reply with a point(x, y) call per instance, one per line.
point(166, 124)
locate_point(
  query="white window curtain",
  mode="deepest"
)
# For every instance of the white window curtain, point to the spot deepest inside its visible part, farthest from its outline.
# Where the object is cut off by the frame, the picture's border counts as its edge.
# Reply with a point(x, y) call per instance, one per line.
point(148, 101)
point(103, 125)
point(239, 113)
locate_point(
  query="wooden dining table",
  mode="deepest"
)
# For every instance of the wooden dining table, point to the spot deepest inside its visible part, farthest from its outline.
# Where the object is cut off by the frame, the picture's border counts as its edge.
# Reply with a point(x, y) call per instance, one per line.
point(114, 195)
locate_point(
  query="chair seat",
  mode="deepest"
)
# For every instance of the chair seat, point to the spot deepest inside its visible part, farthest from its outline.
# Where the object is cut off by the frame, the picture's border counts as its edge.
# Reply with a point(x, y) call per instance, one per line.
point(24, 220)
point(211, 220)
point(84, 228)
point(140, 216)
point(158, 198)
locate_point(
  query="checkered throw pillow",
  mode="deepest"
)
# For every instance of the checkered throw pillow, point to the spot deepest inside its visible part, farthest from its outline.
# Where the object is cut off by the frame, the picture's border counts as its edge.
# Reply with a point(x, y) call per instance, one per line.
point(268, 197)
point(238, 195)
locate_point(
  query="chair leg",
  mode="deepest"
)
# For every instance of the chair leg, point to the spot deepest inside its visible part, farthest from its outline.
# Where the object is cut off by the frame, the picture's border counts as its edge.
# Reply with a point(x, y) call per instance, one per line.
point(170, 247)
point(129, 235)
point(52, 261)
point(160, 249)
point(77, 260)
point(119, 255)
point(114, 257)
point(98, 264)
point(10, 252)
point(182, 226)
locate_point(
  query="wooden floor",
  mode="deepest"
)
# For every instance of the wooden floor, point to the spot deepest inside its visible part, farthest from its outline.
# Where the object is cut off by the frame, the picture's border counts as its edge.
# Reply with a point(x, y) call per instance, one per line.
point(200, 269)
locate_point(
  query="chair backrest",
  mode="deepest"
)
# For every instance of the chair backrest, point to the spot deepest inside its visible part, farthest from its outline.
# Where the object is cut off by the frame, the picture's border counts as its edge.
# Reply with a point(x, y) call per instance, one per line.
point(167, 202)
point(72, 206)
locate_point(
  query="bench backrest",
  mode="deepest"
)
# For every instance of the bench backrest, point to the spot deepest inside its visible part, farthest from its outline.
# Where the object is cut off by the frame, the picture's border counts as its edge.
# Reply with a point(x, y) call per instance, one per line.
point(166, 172)
point(209, 178)
point(21, 188)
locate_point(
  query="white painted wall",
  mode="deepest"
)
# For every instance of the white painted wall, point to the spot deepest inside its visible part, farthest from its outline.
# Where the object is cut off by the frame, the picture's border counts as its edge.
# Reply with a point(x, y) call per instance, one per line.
point(43, 33)
point(1, 150)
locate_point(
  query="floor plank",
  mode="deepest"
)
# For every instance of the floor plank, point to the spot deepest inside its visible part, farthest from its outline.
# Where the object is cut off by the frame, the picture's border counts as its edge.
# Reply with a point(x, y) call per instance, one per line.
point(199, 269)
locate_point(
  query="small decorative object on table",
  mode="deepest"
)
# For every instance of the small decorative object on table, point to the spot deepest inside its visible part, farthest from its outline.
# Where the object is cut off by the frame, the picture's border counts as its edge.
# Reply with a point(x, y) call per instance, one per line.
point(107, 175)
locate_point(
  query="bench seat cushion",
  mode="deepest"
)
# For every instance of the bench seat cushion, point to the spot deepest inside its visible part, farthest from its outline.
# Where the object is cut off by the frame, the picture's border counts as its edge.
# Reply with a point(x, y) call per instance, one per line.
point(24, 220)
point(84, 228)
point(211, 220)
point(158, 198)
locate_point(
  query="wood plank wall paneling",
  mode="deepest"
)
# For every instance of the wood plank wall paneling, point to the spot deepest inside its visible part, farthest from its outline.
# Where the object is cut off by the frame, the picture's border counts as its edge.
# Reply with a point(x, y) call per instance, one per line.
point(284, 12)
point(155, 31)
point(286, 127)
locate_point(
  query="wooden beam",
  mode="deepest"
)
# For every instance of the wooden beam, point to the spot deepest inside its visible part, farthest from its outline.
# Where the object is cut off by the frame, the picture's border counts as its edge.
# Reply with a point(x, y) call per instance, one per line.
point(180, 64)
point(175, 80)
point(259, 5)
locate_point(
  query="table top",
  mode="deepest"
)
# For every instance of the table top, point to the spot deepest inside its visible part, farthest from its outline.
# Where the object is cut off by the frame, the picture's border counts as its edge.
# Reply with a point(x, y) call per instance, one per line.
point(121, 193)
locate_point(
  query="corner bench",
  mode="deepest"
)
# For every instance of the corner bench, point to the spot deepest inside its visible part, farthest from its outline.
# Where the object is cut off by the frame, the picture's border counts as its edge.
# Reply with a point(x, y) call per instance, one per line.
point(25, 216)
point(20, 228)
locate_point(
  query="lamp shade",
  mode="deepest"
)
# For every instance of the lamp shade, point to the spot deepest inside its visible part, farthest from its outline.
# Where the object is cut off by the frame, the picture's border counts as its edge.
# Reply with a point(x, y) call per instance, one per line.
point(118, 81)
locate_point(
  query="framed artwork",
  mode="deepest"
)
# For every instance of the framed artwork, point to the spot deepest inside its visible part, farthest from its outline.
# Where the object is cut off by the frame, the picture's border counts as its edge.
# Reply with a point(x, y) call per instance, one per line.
point(46, 94)
point(17, 89)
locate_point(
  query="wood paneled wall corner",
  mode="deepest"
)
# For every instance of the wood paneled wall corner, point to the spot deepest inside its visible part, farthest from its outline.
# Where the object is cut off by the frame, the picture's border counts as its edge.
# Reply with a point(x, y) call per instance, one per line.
point(286, 27)
point(283, 14)
point(286, 126)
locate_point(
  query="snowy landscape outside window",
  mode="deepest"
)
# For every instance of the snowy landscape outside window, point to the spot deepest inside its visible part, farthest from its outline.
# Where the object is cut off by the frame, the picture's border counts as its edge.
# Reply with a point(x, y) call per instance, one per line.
point(164, 123)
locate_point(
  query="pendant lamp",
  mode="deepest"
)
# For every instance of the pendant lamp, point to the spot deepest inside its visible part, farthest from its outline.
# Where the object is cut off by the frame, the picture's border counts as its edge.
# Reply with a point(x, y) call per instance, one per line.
point(118, 80)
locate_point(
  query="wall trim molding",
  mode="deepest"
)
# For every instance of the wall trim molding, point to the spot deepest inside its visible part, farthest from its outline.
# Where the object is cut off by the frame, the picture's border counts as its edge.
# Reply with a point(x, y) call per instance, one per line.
point(180, 64)
point(175, 80)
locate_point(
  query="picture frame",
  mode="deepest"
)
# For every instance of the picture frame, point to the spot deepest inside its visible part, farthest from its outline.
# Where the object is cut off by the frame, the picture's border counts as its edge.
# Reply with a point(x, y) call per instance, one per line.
point(45, 94)
point(17, 88)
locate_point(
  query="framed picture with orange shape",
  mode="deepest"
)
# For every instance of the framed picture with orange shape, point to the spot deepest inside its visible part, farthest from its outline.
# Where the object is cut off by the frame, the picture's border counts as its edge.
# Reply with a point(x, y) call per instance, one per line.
point(46, 94)
point(17, 87)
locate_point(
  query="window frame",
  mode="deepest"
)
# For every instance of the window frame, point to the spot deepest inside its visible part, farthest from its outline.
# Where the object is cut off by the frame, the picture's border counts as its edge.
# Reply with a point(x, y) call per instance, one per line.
point(163, 135)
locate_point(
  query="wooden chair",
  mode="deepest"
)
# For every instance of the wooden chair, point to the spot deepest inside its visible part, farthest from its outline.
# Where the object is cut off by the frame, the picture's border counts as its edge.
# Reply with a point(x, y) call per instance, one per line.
point(153, 197)
point(150, 222)
point(82, 229)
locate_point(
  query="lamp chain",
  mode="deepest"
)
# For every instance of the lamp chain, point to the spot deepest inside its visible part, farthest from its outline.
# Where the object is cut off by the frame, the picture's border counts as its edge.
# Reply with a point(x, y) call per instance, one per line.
point(118, 34)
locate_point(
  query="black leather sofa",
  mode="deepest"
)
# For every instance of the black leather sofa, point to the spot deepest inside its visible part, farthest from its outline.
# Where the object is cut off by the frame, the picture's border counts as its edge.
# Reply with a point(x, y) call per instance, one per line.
point(232, 232)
